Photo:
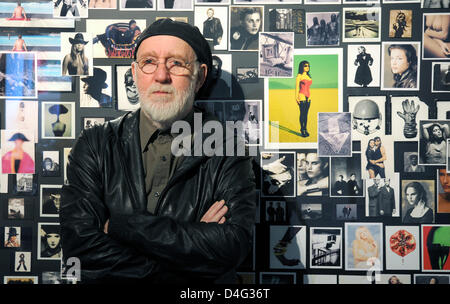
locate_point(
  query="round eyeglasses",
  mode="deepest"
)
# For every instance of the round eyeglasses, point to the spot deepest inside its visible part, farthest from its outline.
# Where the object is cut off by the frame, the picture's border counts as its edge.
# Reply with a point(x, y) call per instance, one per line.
point(175, 66)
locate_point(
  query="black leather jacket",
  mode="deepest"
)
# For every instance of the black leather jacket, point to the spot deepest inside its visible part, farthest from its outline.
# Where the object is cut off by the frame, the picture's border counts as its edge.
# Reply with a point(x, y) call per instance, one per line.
point(106, 181)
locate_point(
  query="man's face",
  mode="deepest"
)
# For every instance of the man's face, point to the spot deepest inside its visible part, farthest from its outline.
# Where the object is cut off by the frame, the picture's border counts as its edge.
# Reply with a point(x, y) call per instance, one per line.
point(387, 181)
point(313, 165)
point(132, 26)
point(215, 69)
point(53, 240)
point(352, 177)
point(376, 181)
point(210, 13)
point(341, 178)
point(252, 22)
point(444, 178)
point(377, 142)
point(413, 160)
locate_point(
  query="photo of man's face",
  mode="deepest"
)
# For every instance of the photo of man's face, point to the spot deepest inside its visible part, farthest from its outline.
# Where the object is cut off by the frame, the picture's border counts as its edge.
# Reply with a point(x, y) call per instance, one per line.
point(252, 23)
point(130, 87)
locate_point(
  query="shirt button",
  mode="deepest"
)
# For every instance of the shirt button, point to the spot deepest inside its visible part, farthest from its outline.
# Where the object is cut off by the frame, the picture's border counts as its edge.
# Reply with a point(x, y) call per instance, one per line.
point(156, 194)
point(163, 158)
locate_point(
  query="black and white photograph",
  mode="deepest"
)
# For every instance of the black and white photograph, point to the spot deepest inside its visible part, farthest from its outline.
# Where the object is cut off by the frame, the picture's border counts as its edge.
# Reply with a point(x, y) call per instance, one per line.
point(418, 201)
point(49, 241)
point(443, 109)
point(51, 163)
point(76, 54)
point(311, 211)
point(127, 91)
point(411, 163)
point(287, 247)
point(50, 201)
point(392, 279)
point(25, 184)
point(431, 279)
point(22, 261)
point(335, 134)
point(321, 279)
point(312, 174)
point(278, 174)
point(276, 54)
point(96, 90)
point(436, 35)
point(213, 24)
point(137, 5)
point(58, 120)
point(400, 23)
point(19, 75)
point(400, 65)
point(12, 237)
point(363, 69)
point(278, 278)
point(433, 135)
point(245, 24)
point(368, 116)
point(70, 8)
point(212, 2)
point(377, 157)
point(361, 24)
point(406, 112)
point(252, 122)
point(345, 176)
point(322, 29)
point(89, 122)
point(435, 3)
point(318, 2)
point(65, 160)
point(275, 212)
point(175, 5)
point(383, 197)
point(247, 75)
point(325, 248)
point(22, 115)
point(287, 20)
point(346, 212)
point(440, 77)
point(102, 4)
point(220, 80)
point(16, 208)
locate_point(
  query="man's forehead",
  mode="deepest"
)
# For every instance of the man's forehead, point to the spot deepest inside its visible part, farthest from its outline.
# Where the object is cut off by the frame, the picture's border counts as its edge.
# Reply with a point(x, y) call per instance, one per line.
point(166, 46)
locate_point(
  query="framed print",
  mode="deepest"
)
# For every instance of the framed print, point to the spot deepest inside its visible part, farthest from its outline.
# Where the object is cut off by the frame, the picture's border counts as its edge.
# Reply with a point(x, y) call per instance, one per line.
point(435, 248)
point(377, 160)
point(320, 279)
point(383, 197)
point(334, 134)
point(431, 279)
point(12, 142)
point(288, 278)
point(436, 27)
point(322, 29)
point(20, 70)
point(70, 9)
point(51, 163)
point(22, 261)
point(325, 248)
point(363, 69)
point(440, 82)
point(12, 237)
point(406, 112)
point(290, 116)
point(433, 136)
point(400, 23)
point(418, 197)
point(22, 115)
point(443, 109)
point(287, 20)
point(89, 122)
point(346, 212)
point(76, 54)
point(49, 241)
point(275, 212)
point(311, 211)
point(443, 190)
point(50, 200)
point(312, 174)
point(96, 90)
point(25, 184)
point(278, 174)
point(137, 5)
point(364, 246)
point(368, 116)
point(213, 24)
point(292, 241)
point(16, 208)
point(20, 280)
point(247, 75)
point(276, 54)
point(102, 4)
point(247, 22)
point(175, 5)
point(402, 248)
point(345, 176)
point(394, 279)
point(127, 92)
point(361, 24)
point(435, 4)
point(411, 163)
point(58, 120)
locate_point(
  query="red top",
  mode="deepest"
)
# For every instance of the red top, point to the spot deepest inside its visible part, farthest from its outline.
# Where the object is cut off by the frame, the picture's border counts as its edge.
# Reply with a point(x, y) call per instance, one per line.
point(304, 86)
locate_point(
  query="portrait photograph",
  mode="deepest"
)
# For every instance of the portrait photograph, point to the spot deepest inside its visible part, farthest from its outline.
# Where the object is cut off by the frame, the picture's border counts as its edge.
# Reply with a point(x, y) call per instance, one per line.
point(436, 35)
point(22, 115)
point(51, 163)
point(276, 278)
point(25, 184)
point(363, 68)
point(278, 174)
point(401, 66)
point(22, 261)
point(411, 163)
point(17, 151)
point(89, 122)
point(96, 90)
point(418, 197)
point(354, 279)
point(19, 74)
point(406, 113)
point(402, 248)
point(325, 248)
point(70, 9)
point(435, 4)
point(383, 197)
point(443, 109)
point(12, 237)
point(433, 136)
point(443, 190)
point(275, 212)
point(58, 120)
point(50, 200)
point(221, 78)
point(137, 5)
point(431, 279)
point(245, 24)
point(48, 241)
point(322, 29)
point(127, 91)
point(345, 176)
point(102, 4)
point(175, 5)
point(368, 116)
point(435, 243)
point(346, 212)
point(291, 104)
point(377, 157)
point(393, 279)
point(276, 54)
point(114, 38)
point(247, 75)
point(440, 77)
point(16, 208)
point(213, 24)
point(400, 23)
point(20, 280)
point(76, 54)
point(361, 24)
point(320, 279)
point(311, 211)
point(312, 174)
point(364, 246)
point(335, 134)
point(287, 247)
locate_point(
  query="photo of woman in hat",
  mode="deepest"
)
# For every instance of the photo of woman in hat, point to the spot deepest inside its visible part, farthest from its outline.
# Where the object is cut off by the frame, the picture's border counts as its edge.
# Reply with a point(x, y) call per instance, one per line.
point(92, 89)
point(11, 237)
point(76, 63)
point(17, 160)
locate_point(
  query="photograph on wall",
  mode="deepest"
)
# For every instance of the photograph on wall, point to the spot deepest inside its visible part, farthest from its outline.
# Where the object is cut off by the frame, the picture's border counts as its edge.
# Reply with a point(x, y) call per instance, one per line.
point(320, 279)
point(220, 80)
point(213, 24)
point(443, 109)
point(252, 122)
point(276, 278)
point(318, 2)
point(400, 23)
point(287, 20)
point(22, 261)
point(363, 65)
point(400, 65)
point(276, 54)
point(418, 197)
point(114, 38)
point(278, 174)
point(12, 237)
point(322, 29)
point(89, 122)
point(354, 279)
point(16, 208)
point(312, 174)
point(76, 54)
point(48, 241)
point(58, 120)
point(66, 158)
point(392, 279)
point(25, 184)
point(325, 248)
point(22, 115)
point(411, 163)
point(335, 134)
point(443, 190)
point(50, 163)
point(175, 5)
point(247, 75)
point(245, 24)
point(20, 280)
point(431, 279)
point(275, 212)
point(141, 5)
point(311, 211)
point(377, 157)
point(433, 135)
point(346, 212)
point(406, 113)
point(50, 200)
point(19, 75)
point(287, 247)
point(31, 14)
point(102, 4)
point(436, 35)
point(361, 24)
point(17, 151)
point(434, 3)
point(292, 104)
point(364, 246)
point(402, 248)
point(435, 244)
point(247, 112)
point(368, 116)
point(345, 176)
point(70, 9)
point(383, 197)
point(440, 82)
point(96, 90)
point(127, 91)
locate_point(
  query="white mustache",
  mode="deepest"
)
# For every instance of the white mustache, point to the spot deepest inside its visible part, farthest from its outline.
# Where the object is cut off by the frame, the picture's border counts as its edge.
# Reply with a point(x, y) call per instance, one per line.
point(161, 88)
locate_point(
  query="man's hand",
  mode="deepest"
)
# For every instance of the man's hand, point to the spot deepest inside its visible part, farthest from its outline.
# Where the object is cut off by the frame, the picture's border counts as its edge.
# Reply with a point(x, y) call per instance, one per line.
point(215, 213)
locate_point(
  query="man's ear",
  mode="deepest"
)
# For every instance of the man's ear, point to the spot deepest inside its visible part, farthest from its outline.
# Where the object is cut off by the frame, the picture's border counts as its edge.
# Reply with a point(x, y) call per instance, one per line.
point(201, 77)
point(133, 70)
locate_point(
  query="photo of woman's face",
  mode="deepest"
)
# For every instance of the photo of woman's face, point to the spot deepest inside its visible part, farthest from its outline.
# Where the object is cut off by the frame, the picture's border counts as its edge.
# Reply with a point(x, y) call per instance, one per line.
point(53, 240)
point(79, 47)
point(444, 178)
point(412, 196)
point(252, 23)
point(306, 67)
point(437, 132)
point(399, 62)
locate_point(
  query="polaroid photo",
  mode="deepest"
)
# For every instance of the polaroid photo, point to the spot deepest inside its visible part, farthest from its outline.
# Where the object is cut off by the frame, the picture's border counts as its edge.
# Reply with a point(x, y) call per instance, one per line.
point(49, 245)
point(277, 278)
point(405, 113)
point(247, 22)
point(402, 248)
point(312, 174)
point(345, 176)
point(431, 279)
point(96, 90)
point(12, 237)
point(22, 115)
point(418, 197)
point(335, 134)
point(220, 85)
point(246, 278)
point(114, 38)
point(283, 130)
point(440, 82)
point(322, 29)
point(89, 122)
point(102, 4)
point(127, 91)
point(377, 157)
point(435, 240)
point(443, 109)
point(355, 279)
point(368, 116)
point(330, 279)
point(22, 261)
point(361, 24)
point(137, 5)
point(25, 184)
point(311, 211)
point(400, 65)
point(275, 212)
point(411, 163)
point(50, 200)
point(433, 136)
point(363, 68)
point(292, 241)
point(435, 45)
point(70, 9)
point(20, 280)
point(383, 197)
point(212, 2)
point(247, 75)
point(276, 55)
point(66, 159)
point(58, 120)
point(325, 248)
point(434, 4)
point(213, 24)
point(443, 190)
point(50, 163)
point(364, 246)
point(175, 5)
point(278, 174)
point(16, 208)
point(19, 70)
point(72, 46)
point(346, 212)
point(394, 279)
point(400, 23)
point(13, 141)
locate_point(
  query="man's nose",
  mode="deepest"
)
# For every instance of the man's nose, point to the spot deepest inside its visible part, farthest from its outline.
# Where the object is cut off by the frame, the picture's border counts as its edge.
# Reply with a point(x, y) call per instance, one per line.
point(162, 74)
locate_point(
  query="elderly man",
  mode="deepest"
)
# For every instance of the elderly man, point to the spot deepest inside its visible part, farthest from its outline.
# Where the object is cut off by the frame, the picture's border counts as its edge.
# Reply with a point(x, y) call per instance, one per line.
point(134, 210)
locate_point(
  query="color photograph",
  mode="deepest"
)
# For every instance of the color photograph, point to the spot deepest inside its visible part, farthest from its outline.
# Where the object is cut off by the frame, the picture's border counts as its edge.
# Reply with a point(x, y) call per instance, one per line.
point(58, 120)
point(17, 151)
point(364, 246)
point(435, 244)
point(402, 248)
point(443, 190)
point(361, 24)
point(18, 75)
point(436, 35)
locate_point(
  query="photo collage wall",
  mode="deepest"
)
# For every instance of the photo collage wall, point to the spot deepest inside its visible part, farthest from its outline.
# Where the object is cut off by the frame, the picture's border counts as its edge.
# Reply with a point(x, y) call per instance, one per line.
point(348, 103)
